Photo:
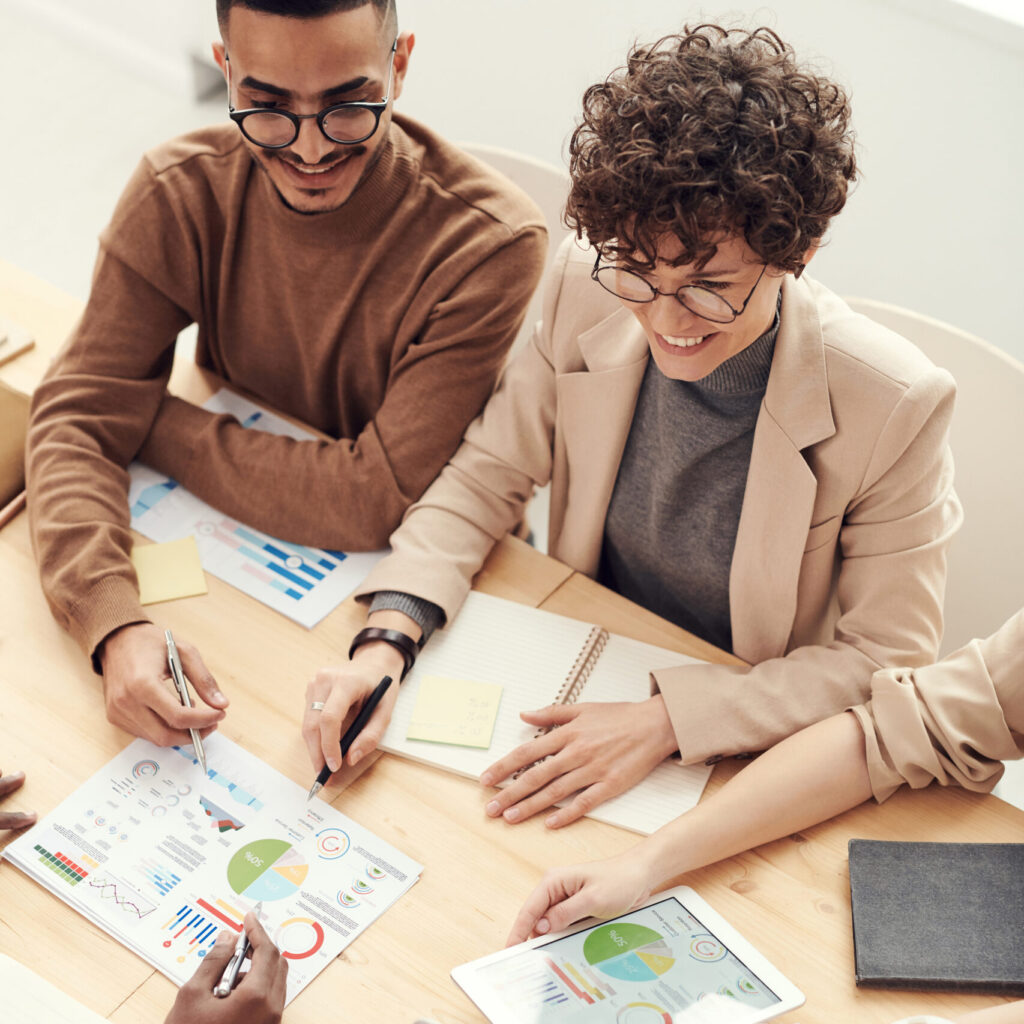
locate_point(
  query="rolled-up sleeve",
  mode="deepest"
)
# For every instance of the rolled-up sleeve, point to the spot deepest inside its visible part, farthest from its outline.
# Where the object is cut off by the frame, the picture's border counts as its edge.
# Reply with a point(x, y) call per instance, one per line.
point(953, 722)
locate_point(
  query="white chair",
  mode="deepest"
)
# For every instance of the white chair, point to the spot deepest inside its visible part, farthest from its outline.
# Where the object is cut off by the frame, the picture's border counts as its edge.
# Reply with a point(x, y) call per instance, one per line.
point(547, 186)
point(985, 585)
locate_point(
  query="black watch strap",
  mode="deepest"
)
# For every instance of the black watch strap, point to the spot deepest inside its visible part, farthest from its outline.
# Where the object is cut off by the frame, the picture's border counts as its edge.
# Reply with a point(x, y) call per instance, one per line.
point(399, 640)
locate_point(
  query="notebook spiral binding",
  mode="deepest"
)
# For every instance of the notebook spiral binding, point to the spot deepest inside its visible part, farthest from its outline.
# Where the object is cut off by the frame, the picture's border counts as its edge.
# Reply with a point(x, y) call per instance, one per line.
point(575, 679)
point(584, 664)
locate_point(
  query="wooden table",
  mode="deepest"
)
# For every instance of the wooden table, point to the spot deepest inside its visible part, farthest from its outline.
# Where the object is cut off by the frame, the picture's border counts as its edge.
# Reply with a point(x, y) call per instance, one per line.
point(790, 898)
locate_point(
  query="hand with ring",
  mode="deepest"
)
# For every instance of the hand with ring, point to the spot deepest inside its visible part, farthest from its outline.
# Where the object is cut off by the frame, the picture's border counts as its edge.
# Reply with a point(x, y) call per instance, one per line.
point(336, 694)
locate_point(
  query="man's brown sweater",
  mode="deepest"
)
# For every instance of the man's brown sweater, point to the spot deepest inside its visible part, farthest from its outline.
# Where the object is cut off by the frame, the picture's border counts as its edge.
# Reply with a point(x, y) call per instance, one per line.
point(382, 324)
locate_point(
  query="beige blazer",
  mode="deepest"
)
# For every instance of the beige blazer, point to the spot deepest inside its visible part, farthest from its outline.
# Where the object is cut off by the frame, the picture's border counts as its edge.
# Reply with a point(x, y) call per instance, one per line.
point(954, 721)
point(840, 558)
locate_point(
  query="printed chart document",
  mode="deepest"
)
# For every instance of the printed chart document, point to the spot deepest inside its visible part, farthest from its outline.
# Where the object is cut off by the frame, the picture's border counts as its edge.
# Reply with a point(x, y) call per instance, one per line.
point(540, 658)
point(302, 583)
point(162, 857)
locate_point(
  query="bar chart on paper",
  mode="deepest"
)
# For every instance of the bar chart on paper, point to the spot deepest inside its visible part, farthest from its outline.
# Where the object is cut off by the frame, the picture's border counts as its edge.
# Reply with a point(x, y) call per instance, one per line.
point(301, 582)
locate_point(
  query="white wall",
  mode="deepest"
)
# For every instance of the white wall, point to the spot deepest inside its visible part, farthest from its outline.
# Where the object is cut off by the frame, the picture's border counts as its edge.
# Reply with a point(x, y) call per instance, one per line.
point(937, 220)
point(155, 38)
point(935, 223)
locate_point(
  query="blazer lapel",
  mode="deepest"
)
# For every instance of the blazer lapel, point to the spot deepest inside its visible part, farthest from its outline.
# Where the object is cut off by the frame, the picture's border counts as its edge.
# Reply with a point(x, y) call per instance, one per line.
point(778, 501)
point(595, 411)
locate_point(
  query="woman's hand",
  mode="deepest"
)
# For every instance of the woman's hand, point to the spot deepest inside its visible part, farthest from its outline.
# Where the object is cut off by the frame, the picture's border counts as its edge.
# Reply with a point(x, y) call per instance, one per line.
point(342, 689)
point(598, 751)
point(605, 888)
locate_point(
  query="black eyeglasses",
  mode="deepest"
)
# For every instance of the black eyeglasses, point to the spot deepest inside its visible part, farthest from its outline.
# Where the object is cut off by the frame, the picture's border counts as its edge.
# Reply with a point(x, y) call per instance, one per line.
point(633, 287)
point(345, 123)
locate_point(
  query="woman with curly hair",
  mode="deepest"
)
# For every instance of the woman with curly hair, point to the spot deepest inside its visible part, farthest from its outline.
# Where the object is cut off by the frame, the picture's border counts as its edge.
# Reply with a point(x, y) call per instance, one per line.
point(727, 443)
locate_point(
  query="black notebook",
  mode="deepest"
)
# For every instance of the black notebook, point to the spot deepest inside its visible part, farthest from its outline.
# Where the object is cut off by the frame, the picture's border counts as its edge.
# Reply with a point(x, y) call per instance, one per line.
point(938, 915)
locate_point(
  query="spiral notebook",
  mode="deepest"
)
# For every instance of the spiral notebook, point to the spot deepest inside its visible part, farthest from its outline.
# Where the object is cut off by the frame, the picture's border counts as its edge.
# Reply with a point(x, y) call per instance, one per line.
point(540, 658)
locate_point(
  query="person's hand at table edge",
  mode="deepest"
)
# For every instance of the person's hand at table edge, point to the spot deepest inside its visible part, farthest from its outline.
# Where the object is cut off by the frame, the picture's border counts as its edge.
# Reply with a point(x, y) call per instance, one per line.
point(139, 695)
point(335, 695)
point(14, 819)
point(563, 896)
point(597, 751)
point(258, 996)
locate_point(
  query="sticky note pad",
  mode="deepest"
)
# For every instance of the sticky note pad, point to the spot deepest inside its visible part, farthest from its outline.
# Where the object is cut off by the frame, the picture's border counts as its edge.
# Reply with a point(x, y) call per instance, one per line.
point(168, 571)
point(458, 711)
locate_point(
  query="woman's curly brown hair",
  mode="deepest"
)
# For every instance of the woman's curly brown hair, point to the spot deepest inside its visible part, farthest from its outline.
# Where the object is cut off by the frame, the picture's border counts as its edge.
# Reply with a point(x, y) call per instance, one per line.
point(713, 131)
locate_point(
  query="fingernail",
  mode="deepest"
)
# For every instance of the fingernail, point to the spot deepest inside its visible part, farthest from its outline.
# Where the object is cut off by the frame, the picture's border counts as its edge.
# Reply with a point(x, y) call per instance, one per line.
point(512, 814)
point(486, 780)
point(552, 822)
point(333, 764)
point(493, 808)
point(543, 925)
point(218, 696)
point(354, 756)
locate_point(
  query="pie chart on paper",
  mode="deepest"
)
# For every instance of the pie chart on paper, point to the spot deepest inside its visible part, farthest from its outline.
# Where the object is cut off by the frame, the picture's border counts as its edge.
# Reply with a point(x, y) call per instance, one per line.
point(267, 869)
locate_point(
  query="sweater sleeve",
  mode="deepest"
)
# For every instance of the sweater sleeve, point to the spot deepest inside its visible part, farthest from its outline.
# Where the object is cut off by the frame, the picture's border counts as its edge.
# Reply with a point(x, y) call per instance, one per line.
point(427, 615)
point(89, 417)
point(953, 722)
point(351, 492)
point(96, 405)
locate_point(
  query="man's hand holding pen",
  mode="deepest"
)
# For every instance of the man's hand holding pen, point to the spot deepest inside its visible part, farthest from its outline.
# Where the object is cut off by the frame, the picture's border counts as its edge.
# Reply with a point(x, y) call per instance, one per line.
point(258, 996)
point(139, 696)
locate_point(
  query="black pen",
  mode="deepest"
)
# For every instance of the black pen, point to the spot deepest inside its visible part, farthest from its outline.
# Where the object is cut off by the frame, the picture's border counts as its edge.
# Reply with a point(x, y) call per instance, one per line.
point(352, 732)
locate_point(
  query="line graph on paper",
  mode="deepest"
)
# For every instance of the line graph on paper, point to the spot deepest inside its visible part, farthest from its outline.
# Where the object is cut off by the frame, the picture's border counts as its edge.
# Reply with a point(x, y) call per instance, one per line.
point(302, 582)
point(121, 894)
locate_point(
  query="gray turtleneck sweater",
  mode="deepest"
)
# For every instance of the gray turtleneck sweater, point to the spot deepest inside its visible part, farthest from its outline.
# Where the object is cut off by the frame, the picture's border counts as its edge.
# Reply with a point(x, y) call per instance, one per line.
point(671, 525)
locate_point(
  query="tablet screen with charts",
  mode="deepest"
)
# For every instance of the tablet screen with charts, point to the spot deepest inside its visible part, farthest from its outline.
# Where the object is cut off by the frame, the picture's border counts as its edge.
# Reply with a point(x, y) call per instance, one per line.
point(673, 960)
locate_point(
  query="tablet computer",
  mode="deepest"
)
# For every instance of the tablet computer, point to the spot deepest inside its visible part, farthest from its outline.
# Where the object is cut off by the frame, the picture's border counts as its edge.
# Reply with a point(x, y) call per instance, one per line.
point(672, 960)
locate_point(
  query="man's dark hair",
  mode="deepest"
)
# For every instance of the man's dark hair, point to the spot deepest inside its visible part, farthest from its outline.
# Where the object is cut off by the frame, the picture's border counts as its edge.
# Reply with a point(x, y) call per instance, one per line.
point(306, 8)
point(707, 132)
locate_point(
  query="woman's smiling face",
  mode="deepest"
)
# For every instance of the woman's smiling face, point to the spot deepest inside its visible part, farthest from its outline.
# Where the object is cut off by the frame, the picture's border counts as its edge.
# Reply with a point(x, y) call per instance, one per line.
point(686, 346)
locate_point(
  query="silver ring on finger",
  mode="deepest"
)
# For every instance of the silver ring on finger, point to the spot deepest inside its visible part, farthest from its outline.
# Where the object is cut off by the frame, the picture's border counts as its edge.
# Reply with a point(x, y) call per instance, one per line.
point(317, 705)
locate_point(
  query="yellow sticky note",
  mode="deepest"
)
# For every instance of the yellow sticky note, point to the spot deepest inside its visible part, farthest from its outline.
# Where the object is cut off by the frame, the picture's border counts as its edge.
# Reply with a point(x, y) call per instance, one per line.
point(168, 571)
point(458, 711)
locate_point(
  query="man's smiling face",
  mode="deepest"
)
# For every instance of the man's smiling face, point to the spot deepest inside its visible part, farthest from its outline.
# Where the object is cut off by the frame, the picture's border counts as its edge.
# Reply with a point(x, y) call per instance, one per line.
point(303, 65)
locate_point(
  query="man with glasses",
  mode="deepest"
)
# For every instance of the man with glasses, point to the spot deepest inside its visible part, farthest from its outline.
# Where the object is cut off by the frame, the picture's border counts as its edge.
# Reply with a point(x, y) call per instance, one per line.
point(344, 265)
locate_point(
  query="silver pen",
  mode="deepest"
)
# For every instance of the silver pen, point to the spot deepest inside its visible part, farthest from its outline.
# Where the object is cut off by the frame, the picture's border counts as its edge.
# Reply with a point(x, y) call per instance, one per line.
point(178, 675)
point(230, 976)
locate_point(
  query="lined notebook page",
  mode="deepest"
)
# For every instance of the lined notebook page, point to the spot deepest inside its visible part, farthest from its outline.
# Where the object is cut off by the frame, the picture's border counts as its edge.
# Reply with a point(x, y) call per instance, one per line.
point(530, 653)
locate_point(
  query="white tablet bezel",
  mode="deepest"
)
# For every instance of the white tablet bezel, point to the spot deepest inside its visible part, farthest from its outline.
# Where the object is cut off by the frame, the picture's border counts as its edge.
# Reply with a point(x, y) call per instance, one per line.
point(727, 1011)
